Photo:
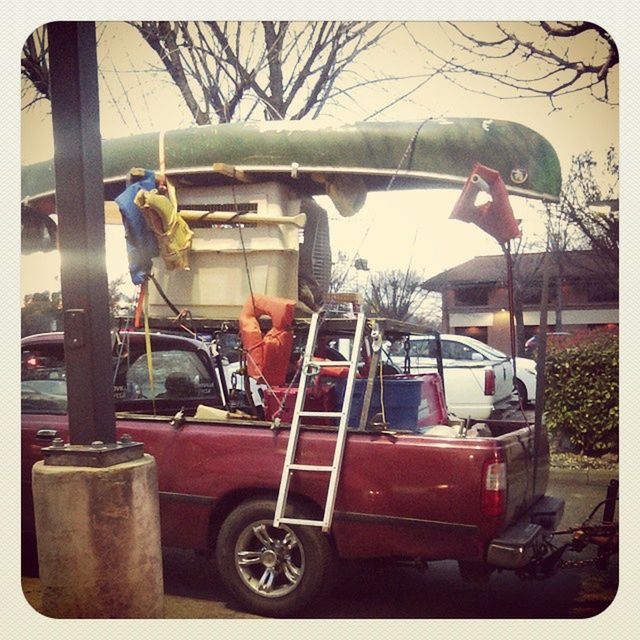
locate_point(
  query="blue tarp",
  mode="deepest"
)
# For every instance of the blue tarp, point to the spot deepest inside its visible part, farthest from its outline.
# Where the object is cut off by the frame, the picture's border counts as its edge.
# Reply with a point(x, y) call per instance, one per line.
point(142, 244)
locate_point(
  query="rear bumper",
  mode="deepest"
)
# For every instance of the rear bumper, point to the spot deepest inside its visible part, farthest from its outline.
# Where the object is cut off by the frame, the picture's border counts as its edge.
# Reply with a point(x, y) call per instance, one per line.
point(519, 544)
point(473, 411)
point(504, 405)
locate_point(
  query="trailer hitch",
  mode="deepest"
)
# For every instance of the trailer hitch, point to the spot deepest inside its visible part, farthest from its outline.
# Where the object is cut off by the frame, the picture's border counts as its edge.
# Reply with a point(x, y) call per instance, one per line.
point(604, 535)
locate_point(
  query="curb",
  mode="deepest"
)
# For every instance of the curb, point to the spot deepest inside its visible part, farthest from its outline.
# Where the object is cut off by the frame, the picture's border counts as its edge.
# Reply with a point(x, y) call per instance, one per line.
point(614, 473)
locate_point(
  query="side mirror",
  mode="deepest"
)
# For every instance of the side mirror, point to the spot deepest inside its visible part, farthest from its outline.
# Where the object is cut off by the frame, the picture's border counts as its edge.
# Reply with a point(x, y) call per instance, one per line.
point(477, 356)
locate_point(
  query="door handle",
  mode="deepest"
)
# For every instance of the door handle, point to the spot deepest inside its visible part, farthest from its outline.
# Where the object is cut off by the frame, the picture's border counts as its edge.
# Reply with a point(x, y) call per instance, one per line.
point(46, 434)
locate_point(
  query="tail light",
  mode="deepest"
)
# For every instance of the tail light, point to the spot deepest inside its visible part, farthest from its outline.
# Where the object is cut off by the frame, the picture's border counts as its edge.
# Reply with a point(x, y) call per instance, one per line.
point(489, 381)
point(494, 492)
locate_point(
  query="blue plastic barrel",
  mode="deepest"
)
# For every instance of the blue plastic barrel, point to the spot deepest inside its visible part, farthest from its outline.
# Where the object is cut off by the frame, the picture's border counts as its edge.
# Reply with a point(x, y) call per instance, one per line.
point(402, 398)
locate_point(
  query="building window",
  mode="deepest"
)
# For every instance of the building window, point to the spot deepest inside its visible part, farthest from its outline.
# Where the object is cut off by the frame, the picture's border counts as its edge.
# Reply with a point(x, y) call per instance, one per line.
point(477, 296)
point(533, 295)
point(601, 292)
point(479, 333)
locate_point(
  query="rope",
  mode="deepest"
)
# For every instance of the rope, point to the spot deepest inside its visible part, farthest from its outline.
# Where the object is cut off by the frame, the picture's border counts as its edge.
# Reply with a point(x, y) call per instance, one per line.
point(162, 161)
point(267, 385)
point(162, 165)
point(205, 215)
point(384, 416)
point(147, 342)
point(244, 251)
point(137, 318)
point(409, 147)
point(163, 295)
point(286, 393)
point(121, 346)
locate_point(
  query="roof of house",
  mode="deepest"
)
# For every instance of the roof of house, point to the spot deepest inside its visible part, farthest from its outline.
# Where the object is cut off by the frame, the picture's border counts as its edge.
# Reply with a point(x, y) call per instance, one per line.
point(578, 265)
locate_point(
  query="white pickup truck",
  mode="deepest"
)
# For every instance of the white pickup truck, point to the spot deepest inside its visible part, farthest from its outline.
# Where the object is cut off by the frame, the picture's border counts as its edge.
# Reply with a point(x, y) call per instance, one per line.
point(478, 380)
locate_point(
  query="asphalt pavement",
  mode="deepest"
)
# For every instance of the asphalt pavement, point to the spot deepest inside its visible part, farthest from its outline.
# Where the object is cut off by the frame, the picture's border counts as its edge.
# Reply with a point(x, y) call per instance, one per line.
point(387, 590)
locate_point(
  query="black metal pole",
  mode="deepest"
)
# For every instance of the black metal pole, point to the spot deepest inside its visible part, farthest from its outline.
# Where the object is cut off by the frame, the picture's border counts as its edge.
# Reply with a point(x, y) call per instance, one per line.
point(80, 208)
point(512, 325)
point(609, 513)
point(439, 363)
point(540, 368)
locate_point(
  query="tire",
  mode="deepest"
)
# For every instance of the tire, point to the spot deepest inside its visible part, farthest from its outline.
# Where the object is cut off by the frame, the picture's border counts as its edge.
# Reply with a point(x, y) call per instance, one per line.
point(522, 392)
point(273, 571)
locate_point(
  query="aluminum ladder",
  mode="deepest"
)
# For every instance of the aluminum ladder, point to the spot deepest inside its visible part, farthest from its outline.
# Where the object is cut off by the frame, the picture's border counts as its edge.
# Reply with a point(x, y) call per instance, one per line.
point(310, 368)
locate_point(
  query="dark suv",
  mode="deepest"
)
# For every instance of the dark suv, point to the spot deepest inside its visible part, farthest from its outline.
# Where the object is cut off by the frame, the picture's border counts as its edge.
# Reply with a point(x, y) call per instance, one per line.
point(184, 374)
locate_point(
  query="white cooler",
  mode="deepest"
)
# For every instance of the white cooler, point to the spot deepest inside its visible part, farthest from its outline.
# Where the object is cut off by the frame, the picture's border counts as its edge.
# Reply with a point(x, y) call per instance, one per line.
point(217, 285)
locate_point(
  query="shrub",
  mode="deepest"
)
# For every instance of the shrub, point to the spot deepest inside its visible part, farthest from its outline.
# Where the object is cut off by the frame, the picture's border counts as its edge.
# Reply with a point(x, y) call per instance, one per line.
point(581, 395)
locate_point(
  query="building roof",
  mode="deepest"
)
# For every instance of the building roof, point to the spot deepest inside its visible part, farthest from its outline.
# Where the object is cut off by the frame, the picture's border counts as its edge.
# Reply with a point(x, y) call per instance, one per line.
point(578, 265)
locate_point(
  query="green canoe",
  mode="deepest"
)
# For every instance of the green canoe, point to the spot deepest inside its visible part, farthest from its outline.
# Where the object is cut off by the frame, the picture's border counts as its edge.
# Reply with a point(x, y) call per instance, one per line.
point(386, 155)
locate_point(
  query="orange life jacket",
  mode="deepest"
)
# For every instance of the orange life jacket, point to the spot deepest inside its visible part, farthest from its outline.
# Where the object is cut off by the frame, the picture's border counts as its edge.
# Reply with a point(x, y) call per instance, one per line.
point(267, 356)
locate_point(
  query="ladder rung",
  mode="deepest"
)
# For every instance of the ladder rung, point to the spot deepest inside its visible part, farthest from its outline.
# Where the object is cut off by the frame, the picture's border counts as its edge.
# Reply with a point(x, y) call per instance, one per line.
point(332, 363)
point(310, 368)
point(321, 414)
point(313, 523)
point(310, 467)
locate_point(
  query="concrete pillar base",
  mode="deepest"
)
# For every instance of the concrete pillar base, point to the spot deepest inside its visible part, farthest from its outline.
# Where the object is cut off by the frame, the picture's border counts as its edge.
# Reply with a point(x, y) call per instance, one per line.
point(98, 532)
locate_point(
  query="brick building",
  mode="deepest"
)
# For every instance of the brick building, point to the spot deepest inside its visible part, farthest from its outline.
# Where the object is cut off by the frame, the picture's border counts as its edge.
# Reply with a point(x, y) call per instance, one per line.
point(475, 298)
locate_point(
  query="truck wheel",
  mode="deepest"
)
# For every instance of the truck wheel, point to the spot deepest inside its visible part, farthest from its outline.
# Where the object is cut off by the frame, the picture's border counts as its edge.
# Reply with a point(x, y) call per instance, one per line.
point(522, 392)
point(273, 571)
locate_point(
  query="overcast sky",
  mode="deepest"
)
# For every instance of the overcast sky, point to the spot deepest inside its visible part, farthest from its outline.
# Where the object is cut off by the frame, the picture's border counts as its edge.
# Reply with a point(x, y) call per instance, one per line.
point(394, 229)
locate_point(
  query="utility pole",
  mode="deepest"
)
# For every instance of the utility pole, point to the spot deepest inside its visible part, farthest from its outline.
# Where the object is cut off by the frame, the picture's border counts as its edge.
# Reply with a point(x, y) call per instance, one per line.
point(99, 550)
point(80, 208)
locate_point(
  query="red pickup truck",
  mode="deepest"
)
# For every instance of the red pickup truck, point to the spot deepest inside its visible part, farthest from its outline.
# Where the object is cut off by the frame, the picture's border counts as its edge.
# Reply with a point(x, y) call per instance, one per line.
point(442, 493)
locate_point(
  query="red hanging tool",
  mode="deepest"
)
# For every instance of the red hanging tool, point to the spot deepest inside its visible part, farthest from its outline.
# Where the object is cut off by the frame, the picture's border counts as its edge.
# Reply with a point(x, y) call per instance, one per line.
point(494, 217)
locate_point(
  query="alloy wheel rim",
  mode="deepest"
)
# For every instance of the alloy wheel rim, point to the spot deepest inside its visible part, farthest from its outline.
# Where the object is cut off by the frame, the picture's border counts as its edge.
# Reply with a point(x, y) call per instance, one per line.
point(270, 560)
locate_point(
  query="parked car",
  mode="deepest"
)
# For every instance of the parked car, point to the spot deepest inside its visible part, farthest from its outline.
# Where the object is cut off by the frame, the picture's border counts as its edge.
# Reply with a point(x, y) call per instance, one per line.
point(525, 381)
point(531, 345)
point(447, 493)
point(478, 380)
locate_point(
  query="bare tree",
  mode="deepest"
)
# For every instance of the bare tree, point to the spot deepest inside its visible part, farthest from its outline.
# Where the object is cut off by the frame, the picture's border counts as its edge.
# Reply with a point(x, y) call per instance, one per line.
point(561, 238)
point(34, 68)
point(526, 281)
point(395, 294)
point(342, 275)
point(573, 223)
point(598, 227)
point(234, 71)
point(226, 70)
point(517, 59)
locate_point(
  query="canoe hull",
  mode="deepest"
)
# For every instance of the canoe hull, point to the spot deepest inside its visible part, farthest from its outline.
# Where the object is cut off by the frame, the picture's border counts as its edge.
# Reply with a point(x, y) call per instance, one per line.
point(433, 153)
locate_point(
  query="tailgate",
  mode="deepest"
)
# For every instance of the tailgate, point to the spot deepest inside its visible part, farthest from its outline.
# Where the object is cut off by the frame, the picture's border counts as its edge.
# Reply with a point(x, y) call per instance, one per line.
point(518, 453)
point(504, 379)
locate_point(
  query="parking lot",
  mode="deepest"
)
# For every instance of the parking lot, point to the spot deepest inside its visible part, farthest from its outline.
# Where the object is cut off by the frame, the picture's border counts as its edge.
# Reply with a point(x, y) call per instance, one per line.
point(388, 590)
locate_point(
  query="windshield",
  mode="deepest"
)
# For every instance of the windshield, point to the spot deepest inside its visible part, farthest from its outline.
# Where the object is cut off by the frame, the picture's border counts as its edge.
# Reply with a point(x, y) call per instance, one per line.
point(485, 348)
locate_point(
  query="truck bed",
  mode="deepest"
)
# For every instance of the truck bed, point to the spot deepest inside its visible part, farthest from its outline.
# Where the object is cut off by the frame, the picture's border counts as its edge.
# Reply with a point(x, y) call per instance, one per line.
point(401, 494)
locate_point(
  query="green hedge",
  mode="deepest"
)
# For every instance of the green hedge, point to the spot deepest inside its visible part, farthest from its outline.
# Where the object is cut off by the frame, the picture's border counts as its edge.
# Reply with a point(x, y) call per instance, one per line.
point(581, 396)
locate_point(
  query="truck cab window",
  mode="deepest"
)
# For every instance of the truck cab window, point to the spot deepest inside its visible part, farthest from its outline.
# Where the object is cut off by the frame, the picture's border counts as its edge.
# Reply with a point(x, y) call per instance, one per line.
point(459, 351)
point(176, 374)
point(43, 387)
